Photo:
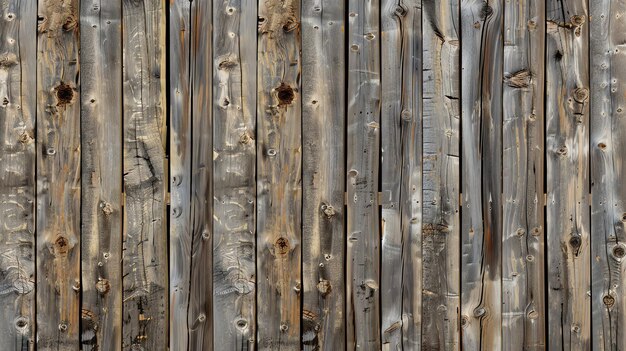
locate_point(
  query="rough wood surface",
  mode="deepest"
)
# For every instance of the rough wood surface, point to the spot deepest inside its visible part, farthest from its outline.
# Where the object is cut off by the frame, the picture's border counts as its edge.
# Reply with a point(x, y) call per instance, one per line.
point(567, 187)
point(234, 150)
point(101, 130)
point(481, 296)
point(523, 288)
point(608, 174)
point(401, 174)
point(441, 217)
point(145, 265)
point(58, 175)
point(17, 174)
point(279, 169)
point(363, 163)
point(323, 123)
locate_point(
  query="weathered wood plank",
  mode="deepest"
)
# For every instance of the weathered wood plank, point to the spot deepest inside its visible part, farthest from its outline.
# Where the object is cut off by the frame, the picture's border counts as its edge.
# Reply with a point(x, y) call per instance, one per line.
point(58, 175)
point(101, 130)
point(17, 173)
point(279, 188)
point(145, 267)
point(481, 101)
point(608, 174)
point(442, 182)
point(401, 174)
point(363, 163)
point(234, 108)
point(323, 122)
point(567, 187)
point(523, 288)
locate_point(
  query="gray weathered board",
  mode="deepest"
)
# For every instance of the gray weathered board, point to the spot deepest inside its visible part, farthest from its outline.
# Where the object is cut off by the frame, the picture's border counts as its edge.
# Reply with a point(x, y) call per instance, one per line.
point(312, 175)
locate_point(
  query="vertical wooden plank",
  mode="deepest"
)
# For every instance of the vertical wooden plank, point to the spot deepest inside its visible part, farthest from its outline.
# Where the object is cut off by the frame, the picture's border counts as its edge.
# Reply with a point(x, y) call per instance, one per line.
point(145, 271)
point(567, 148)
point(401, 173)
point(481, 104)
point(363, 148)
point(279, 188)
point(234, 149)
point(17, 180)
point(180, 173)
point(101, 130)
point(58, 175)
point(323, 121)
point(442, 182)
point(608, 174)
point(523, 288)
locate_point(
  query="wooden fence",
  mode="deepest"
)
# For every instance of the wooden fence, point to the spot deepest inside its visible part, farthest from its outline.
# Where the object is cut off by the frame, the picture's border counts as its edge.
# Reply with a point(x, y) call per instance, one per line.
point(312, 174)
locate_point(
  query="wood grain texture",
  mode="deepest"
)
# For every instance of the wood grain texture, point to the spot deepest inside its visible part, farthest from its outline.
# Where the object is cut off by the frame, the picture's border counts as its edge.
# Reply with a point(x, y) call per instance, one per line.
point(234, 150)
point(279, 169)
point(523, 288)
point(481, 103)
point(101, 213)
point(323, 123)
point(442, 182)
point(17, 174)
point(608, 174)
point(401, 174)
point(58, 175)
point(567, 187)
point(363, 167)
point(145, 267)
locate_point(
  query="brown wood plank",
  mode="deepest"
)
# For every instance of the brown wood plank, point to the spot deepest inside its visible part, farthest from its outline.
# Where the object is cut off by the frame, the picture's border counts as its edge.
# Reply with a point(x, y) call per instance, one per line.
point(145, 266)
point(234, 149)
point(363, 163)
point(442, 181)
point(481, 104)
point(58, 175)
point(279, 187)
point(323, 121)
point(567, 188)
point(101, 130)
point(17, 173)
point(608, 174)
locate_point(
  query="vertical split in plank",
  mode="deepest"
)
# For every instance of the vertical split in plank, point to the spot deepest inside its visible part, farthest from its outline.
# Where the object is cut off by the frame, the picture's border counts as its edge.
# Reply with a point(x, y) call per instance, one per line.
point(363, 163)
point(608, 173)
point(145, 266)
point(234, 149)
point(279, 186)
point(101, 130)
point(523, 288)
point(58, 175)
point(401, 173)
point(481, 300)
point(17, 173)
point(567, 148)
point(323, 121)
point(442, 182)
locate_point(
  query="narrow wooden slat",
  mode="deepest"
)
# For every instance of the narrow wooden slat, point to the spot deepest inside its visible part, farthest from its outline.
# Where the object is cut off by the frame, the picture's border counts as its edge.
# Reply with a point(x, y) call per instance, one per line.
point(567, 187)
point(481, 104)
point(101, 130)
point(323, 125)
point(363, 163)
point(608, 174)
point(523, 288)
point(279, 188)
point(401, 173)
point(58, 175)
point(17, 173)
point(180, 173)
point(234, 150)
point(442, 182)
point(145, 266)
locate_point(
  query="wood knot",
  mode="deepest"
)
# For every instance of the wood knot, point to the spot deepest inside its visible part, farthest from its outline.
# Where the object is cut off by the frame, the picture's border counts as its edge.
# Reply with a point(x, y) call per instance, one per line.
point(241, 324)
point(464, 321)
point(21, 325)
point(575, 242)
point(281, 246)
point(103, 286)
point(107, 209)
point(581, 95)
point(519, 79)
point(324, 287)
point(601, 146)
point(89, 319)
point(479, 312)
point(400, 10)
point(619, 251)
point(608, 300)
point(290, 25)
point(71, 23)
point(285, 94)
point(562, 151)
point(328, 210)
point(61, 246)
point(578, 20)
point(486, 11)
point(64, 94)
point(227, 65)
